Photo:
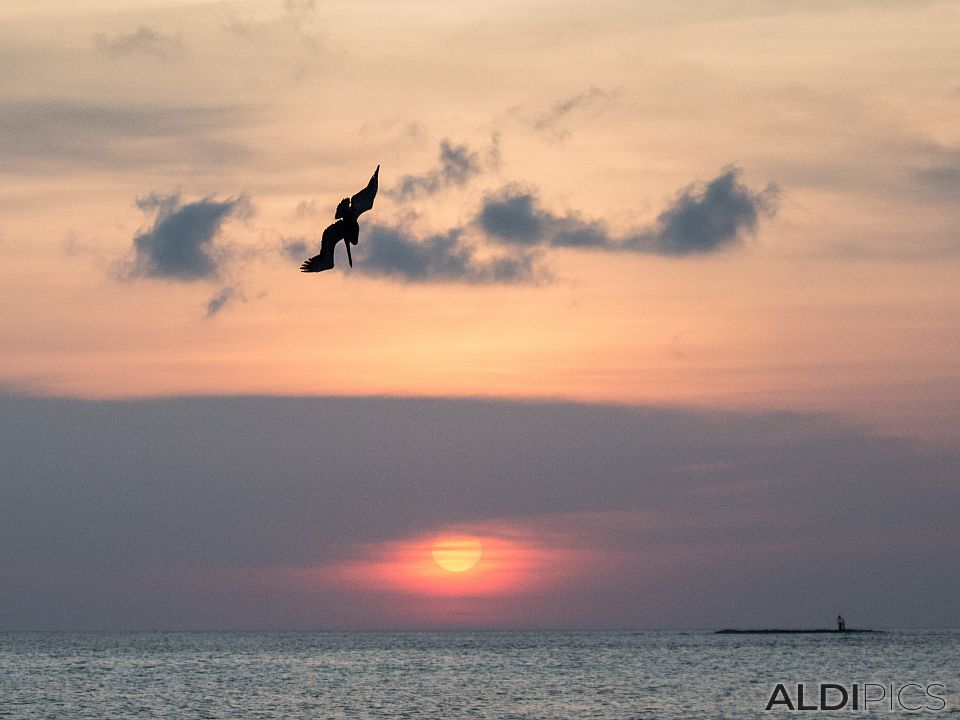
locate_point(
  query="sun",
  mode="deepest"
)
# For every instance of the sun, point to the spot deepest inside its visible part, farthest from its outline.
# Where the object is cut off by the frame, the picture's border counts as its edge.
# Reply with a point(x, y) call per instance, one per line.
point(457, 553)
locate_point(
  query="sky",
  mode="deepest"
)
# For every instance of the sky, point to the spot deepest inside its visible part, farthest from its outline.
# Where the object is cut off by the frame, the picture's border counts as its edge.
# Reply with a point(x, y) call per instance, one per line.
point(658, 301)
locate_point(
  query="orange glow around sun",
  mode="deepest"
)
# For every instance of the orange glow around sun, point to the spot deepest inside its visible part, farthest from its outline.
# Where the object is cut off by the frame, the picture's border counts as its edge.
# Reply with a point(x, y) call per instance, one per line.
point(457, 553)
point(451, 564)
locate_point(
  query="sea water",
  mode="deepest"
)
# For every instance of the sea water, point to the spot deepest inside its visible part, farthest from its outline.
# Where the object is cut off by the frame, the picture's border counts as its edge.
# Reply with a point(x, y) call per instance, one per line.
point(551, 675)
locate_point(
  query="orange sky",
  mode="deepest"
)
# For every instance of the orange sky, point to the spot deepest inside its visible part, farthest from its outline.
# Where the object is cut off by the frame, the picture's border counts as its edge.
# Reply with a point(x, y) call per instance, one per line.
point(741, 206)
point(844, 300)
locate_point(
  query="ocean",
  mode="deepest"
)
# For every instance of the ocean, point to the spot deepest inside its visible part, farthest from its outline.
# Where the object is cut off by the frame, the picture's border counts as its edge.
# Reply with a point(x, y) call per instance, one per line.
point(516, 675)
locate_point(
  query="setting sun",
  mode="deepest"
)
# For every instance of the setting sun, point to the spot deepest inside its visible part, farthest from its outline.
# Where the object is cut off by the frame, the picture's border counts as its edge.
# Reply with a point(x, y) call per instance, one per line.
point(493, 560)
point(457, 554)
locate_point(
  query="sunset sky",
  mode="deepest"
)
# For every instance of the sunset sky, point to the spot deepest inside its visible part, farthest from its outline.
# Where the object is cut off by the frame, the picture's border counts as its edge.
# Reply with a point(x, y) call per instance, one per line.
point(659, 301)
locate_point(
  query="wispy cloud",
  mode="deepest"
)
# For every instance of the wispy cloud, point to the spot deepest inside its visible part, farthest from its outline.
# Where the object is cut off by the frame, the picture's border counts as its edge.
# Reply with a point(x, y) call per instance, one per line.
point(35, 135)
point(550, 122)
point(180, 244)
point(307, 209)
point(457, 165)
point(292, 24)
point(224, 297)
point(142, 40)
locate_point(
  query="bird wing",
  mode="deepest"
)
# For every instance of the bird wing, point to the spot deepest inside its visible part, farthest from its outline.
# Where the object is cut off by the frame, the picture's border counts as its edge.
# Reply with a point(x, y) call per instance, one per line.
point(363, 200)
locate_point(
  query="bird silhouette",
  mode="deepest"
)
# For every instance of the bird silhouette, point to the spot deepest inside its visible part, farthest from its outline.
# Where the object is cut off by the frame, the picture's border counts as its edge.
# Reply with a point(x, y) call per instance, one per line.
point(345, 227)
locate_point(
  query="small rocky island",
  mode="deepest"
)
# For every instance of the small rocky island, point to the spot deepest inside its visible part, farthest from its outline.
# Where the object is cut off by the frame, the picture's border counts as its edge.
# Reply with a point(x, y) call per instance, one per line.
point(841, 628)
point(776, 631)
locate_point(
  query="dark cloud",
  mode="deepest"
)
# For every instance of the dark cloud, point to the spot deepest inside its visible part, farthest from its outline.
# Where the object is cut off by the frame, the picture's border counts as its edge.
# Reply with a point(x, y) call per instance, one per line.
point(938, 177)
point(773, 512)
point(180, 245)
point(702, 219)
point(296, 248)
point(458, 164)
point(224, 297)
point(143, 40)
point(946, 177)
point(394, 253)
point(707, 218)
point(515, 215)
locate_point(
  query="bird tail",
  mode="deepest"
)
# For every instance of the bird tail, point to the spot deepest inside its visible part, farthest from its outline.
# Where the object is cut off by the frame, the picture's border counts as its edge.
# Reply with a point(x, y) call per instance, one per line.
point(315, 264)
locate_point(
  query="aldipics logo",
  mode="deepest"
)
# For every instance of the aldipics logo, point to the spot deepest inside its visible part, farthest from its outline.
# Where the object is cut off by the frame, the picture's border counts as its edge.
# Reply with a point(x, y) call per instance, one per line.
point(863, 697)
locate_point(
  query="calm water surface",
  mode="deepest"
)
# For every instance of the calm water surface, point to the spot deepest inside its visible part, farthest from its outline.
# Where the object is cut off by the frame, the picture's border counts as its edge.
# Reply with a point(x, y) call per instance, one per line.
point(552, 675)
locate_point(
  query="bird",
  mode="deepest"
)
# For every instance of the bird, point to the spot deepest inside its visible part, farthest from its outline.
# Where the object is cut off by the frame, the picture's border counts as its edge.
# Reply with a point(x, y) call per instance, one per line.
point(345, 227)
